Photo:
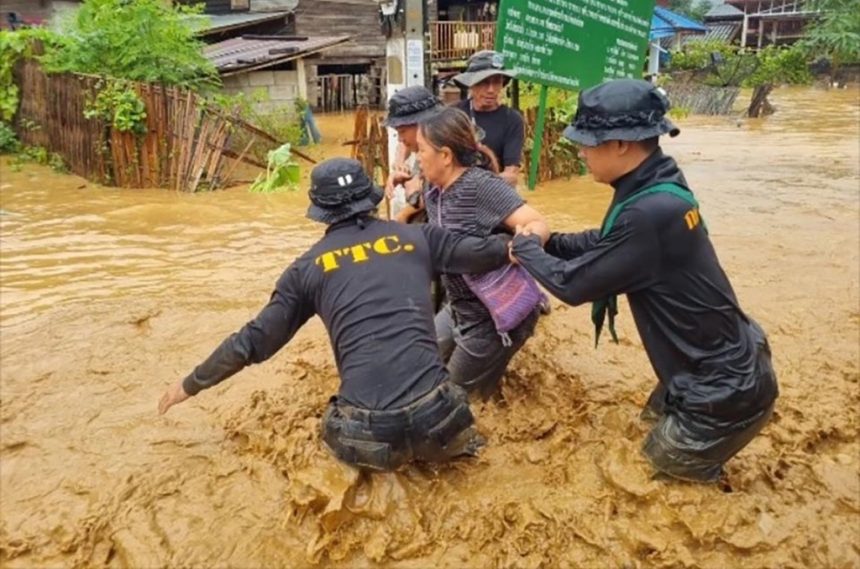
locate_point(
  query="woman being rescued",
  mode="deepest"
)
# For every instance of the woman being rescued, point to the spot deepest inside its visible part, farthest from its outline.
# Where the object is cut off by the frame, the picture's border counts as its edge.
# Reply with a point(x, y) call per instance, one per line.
point(490, 316)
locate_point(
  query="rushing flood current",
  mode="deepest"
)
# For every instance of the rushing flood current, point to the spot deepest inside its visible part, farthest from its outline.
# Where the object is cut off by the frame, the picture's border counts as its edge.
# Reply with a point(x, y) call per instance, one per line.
point(109, 295)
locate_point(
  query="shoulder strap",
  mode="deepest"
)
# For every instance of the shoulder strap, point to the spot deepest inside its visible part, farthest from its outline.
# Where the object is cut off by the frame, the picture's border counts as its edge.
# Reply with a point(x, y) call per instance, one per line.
point(665, 188)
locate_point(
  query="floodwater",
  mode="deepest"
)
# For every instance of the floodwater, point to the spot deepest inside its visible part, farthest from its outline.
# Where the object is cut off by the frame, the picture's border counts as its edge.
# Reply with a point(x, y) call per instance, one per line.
point(110, 295)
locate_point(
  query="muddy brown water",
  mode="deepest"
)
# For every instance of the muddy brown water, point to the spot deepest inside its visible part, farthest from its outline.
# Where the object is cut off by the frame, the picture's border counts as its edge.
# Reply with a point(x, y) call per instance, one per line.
point(109, 295)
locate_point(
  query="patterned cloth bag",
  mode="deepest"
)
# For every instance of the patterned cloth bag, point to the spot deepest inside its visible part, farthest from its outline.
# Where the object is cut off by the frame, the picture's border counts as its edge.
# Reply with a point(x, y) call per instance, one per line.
point(509, 293)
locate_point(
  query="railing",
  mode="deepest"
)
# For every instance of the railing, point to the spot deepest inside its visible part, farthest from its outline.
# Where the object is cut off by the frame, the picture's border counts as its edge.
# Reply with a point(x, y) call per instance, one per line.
point(458, 40)
point(349, 91)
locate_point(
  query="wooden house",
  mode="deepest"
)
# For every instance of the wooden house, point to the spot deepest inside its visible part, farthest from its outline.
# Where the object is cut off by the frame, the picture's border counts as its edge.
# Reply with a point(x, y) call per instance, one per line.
point(351, 73)
point(766, 22)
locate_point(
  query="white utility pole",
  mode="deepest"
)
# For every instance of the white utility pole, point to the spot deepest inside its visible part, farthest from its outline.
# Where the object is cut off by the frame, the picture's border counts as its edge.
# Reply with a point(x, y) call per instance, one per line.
point(654, 50)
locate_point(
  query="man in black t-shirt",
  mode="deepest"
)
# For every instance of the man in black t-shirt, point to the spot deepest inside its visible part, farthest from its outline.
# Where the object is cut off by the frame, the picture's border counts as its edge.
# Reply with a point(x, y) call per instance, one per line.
point(369, 281)
point(499, 127)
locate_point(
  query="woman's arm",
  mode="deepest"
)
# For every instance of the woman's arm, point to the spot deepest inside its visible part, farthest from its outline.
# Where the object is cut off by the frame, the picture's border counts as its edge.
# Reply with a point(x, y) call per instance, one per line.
point(530, 220)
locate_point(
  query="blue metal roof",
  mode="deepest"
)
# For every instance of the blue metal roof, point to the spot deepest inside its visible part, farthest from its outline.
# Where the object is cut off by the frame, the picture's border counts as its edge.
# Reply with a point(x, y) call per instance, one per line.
point(665, 23)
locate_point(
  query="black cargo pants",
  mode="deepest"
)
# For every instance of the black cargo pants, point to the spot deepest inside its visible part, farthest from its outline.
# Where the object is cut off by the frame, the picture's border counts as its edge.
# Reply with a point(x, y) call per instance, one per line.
point(436, 427)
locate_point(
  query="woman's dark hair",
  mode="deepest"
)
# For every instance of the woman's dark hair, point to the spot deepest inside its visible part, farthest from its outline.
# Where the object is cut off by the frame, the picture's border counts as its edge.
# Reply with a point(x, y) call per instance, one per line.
point(453, 128)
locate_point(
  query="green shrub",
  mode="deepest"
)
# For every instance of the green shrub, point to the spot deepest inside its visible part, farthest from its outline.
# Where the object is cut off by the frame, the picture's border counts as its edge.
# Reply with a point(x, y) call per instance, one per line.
point(118, 104)
point(14, 46)
point(836, 33)
point(9, 143)
point(40, 155)
point(722, 65)
point(143, 40)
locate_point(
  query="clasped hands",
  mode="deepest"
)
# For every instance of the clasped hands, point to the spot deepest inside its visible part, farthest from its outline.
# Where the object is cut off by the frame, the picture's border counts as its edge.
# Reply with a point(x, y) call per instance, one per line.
point(402, 175)
point(527, 230)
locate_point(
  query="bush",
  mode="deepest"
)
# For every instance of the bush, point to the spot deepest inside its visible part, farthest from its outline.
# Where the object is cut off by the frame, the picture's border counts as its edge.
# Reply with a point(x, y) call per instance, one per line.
point(40, 155)
point(8, 141)
point(118, 104)
point(14, 46)
point(780, 65)
point(143, 40)
point(722, 65)
point(836, 33)
point(696, 55)
point(560, 103)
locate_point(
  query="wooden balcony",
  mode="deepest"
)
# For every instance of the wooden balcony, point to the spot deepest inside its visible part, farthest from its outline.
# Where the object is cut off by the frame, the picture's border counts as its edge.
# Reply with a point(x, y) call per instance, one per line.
point(452, 41)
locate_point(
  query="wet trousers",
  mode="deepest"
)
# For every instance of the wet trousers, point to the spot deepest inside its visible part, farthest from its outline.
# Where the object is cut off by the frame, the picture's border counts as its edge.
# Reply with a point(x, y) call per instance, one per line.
point(679, 446)
point(475, 355)
point(436, 427)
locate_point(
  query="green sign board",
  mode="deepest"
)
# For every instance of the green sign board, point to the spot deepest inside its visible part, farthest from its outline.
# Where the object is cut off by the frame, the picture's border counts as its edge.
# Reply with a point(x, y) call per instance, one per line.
point(574, 44)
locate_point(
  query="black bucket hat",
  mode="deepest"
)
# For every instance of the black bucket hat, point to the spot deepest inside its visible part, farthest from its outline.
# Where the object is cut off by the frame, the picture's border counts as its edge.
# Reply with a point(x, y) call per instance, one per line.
point(410, 106)
point(340, 189)
point(481, 65)
point(621, 109)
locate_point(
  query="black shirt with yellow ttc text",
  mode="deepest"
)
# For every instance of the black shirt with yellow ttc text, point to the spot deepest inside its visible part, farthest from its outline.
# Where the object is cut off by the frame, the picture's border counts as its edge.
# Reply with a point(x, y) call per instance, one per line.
point(369, 280)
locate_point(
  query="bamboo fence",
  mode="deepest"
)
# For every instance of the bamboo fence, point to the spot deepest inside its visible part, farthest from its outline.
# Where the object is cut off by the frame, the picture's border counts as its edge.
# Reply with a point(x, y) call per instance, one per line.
point(703, 99)
point(187, 145)
point(370, 143)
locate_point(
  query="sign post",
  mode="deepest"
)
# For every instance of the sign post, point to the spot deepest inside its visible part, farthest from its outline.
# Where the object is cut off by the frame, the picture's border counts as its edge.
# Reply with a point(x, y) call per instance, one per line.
point(571, 44)
point(538, 138)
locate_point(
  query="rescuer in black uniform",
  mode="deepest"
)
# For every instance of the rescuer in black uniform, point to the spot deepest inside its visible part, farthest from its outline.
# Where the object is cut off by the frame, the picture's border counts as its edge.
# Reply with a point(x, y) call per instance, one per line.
point(716, 386)
point(369, 281)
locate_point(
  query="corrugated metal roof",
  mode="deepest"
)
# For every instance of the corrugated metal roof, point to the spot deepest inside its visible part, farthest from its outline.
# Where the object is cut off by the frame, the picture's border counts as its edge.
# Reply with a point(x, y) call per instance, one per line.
point(724, 11)
point(214, 23)
point(665, 23)
point(239, 55)
point(273, 5)
point(718, 31)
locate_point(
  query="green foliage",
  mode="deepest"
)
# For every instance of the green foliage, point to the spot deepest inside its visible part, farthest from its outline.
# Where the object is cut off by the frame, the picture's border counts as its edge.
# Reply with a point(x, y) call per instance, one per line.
point(143, 40)
point(118, 104)
point(836, 33)
point(696, 55)
point(561, 106)
point(722, 65)
point(679, 112)
point(283, 122)
point(281, 172)
point(14, 46)
point(40, 155)
point(9, 143)
point(560, 103)
point(780, 65)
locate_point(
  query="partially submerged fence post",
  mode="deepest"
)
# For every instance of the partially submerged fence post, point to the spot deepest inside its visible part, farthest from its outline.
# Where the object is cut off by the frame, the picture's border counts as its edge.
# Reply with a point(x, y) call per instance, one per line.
point(759, 105)
point(370, 143)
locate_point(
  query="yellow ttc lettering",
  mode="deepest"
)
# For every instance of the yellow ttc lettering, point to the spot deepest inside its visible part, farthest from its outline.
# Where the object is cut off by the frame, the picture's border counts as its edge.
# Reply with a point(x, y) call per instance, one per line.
point(362, 252)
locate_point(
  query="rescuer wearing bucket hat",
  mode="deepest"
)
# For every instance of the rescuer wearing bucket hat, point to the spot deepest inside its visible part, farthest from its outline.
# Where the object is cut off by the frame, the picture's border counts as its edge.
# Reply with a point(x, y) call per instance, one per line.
point(369, 281)
point(716, 386)
point(406, 108)
point(500, 128)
